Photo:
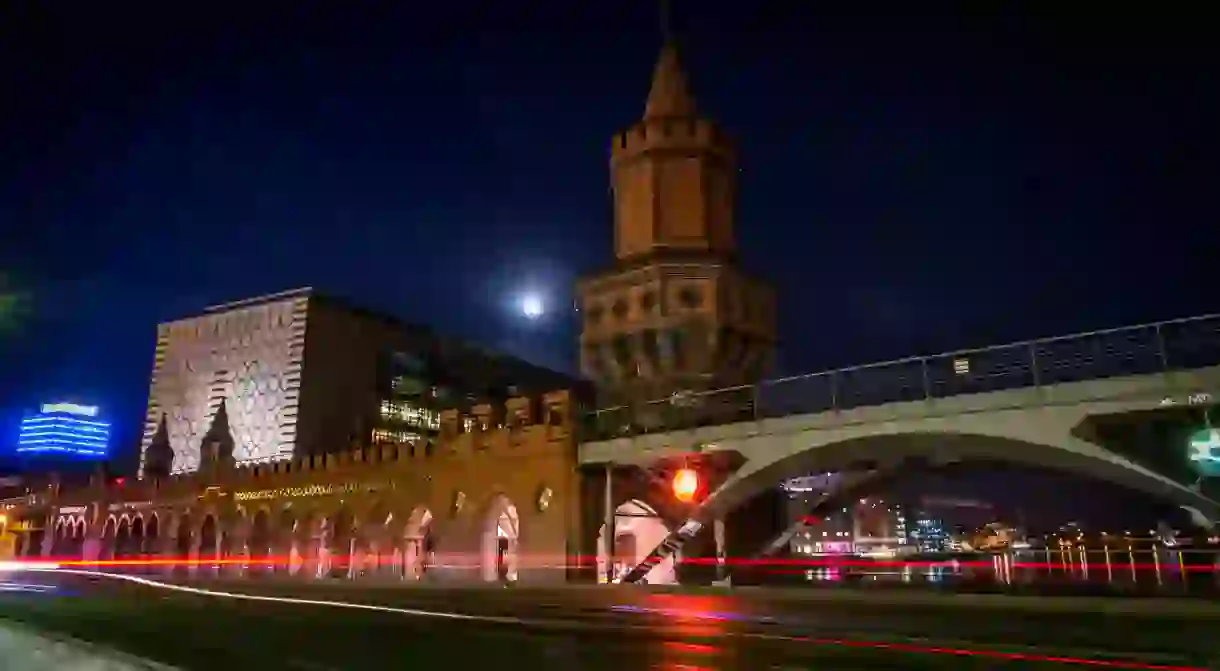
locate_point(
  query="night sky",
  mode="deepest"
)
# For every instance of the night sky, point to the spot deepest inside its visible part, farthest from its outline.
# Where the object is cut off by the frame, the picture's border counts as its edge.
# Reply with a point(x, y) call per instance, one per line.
point(911, 183)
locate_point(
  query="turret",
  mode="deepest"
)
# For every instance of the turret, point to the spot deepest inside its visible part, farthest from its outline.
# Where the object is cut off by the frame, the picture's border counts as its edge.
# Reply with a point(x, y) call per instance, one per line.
point(216, 448)
point(159, 457)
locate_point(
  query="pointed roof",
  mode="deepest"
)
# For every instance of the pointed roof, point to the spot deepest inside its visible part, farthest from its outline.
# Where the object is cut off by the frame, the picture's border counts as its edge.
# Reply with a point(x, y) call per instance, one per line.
point(219, 430)
point(670, 96)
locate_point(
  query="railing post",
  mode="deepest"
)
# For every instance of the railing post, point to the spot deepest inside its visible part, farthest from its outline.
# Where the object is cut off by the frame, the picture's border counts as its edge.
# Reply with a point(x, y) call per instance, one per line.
point(927, 386)
point(754, 398)
point(1161, 350)
point(834, 390)
point(1033, 364)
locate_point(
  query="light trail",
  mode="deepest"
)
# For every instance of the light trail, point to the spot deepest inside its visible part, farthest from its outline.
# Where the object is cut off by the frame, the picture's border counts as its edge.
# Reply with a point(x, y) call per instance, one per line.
point(496, 619)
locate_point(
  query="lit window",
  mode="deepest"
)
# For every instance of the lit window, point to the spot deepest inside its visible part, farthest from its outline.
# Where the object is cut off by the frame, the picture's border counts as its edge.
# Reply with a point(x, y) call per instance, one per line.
point(961, 366)
point(411, 414)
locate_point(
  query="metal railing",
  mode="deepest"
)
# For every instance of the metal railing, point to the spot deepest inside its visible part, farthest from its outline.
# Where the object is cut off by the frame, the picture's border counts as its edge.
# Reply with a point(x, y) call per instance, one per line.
point(1179, 344)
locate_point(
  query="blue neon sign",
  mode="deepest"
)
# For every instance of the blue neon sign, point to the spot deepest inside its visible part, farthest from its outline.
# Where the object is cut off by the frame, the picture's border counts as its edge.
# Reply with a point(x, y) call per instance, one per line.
point(65, 429)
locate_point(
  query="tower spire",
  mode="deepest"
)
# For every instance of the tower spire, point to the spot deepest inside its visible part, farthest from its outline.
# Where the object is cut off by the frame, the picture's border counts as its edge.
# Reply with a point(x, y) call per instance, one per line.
point(669, 96)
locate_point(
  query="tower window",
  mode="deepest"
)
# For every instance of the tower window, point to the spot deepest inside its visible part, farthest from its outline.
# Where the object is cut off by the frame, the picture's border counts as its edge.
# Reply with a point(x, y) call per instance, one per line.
point(620, 308)
point(690, 297)
point(648, 301)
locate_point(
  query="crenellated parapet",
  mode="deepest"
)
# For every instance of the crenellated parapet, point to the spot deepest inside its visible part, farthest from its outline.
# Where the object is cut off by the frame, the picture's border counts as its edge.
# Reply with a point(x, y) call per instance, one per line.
point(521, 426)
point(477, 453)
point(672, 135)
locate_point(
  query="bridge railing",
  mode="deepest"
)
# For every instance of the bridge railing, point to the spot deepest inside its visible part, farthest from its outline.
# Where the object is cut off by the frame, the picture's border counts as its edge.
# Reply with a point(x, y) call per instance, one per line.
point(1179, 344)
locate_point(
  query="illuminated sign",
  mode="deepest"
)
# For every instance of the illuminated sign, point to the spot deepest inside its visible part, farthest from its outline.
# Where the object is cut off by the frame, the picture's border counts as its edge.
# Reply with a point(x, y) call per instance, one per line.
point(72, 510)
point(70, 409)
point(302, 491)
point(61, 429)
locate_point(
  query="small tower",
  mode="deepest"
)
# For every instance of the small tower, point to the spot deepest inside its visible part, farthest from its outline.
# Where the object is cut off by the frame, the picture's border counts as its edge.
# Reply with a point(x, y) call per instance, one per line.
point(159, 457)
point(216, 449)
point(674, 313)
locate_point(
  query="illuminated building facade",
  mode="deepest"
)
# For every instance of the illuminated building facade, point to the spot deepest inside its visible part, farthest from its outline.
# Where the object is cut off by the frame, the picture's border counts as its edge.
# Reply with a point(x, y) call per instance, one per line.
point(65, 430)
point(298, 373)
point(928, 534)
point(482, 503)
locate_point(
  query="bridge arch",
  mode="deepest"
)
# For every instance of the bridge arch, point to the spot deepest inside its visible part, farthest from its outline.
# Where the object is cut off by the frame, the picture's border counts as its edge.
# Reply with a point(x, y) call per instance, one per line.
point(784, 458)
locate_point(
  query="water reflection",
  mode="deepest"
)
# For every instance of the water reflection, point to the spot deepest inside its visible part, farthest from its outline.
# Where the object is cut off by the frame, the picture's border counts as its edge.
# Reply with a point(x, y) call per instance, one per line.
point(1152, 569)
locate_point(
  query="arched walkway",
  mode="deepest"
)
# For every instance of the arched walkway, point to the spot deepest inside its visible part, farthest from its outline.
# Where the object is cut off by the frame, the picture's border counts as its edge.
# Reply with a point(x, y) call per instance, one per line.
point(259, 542)
point(61, 547)
point(122, 540)
point(152, 537)
point(288, 549)
point(183, 545)
point(418, 547)
point(374, 544)
point(500, 560)
point(340, 543)
point(106, 550)
point(637, 530)
point(209, 545)
point(135, 548)
point(77, 549)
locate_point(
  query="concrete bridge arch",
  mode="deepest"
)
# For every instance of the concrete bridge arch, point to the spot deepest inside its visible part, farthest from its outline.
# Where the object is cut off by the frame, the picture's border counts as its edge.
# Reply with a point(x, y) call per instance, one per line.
point(1034, 437)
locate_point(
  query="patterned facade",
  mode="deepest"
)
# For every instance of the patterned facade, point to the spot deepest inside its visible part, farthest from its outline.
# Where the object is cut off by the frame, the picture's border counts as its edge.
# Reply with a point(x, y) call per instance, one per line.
point(299, 373)
point(247, 354)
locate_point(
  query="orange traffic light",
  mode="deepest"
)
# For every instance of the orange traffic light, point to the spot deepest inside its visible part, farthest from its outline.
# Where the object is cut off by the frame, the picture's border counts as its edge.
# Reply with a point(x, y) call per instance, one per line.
point(685, 485)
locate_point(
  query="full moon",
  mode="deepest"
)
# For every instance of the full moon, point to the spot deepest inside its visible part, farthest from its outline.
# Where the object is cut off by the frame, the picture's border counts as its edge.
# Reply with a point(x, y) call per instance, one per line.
point(531, 306)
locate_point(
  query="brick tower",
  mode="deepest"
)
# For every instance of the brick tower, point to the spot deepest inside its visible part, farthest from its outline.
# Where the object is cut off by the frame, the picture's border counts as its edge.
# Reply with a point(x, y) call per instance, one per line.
point(674, 313)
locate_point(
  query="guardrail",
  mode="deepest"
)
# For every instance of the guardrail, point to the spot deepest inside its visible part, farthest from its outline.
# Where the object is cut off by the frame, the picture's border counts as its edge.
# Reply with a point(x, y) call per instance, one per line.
point(1179, 344)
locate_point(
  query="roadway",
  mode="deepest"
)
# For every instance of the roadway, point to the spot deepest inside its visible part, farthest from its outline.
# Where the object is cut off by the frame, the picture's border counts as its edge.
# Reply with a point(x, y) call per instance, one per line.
point(599, 628)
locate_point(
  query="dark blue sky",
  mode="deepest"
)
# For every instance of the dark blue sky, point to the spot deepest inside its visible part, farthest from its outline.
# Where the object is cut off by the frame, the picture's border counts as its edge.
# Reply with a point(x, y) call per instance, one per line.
point(912, 183)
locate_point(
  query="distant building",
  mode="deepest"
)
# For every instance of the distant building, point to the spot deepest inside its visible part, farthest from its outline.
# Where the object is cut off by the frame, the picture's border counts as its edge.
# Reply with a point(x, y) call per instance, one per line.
point(298, 374)
point(828, 534)
point(928, 534)
point(64, 430)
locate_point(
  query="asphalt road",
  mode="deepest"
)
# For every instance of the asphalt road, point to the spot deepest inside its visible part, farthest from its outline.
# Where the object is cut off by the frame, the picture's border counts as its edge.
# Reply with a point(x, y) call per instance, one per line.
point(605, 628)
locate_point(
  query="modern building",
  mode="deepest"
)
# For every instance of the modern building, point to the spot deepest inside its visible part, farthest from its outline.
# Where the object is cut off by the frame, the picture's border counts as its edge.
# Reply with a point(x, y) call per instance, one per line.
point(928, 534)
point(299, 373)
point(827, 534)
point(65, 430)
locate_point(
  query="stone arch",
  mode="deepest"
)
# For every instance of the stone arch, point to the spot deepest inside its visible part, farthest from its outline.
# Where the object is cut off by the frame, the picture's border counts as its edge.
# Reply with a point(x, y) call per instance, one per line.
point(61, 536)
point(152, 535)
point(374, 542)
point(285, 540)
point(638, 528)
point(77, 546)
point(340, 540)
point(109, 530)
point(231, 528)
point(260, 538)
point(311, 529)
point(209, 542)
point(136, 548)
point(122, 539)
point(500, 540)
point(419, 549)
